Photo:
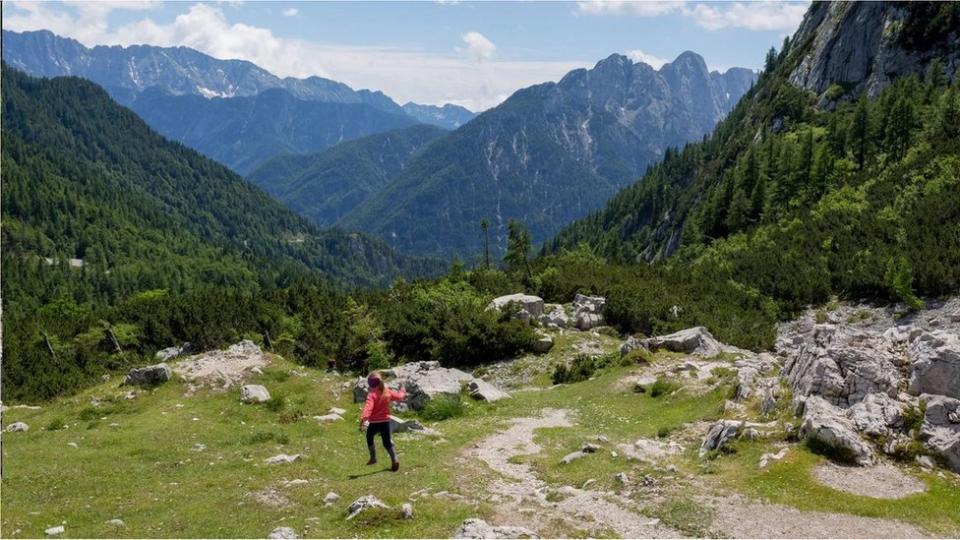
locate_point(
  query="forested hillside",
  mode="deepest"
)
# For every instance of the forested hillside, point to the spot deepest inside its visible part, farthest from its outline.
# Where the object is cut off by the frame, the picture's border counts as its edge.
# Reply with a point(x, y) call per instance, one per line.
point(855, 190)
point(327, 185)
point(98, 207)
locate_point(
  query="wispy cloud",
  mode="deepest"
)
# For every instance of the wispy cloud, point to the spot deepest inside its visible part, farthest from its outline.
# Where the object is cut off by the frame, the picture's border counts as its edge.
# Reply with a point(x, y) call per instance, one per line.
point(478, 46)
point(291, 12)
point(471, 75)
point(639, 56)
point(760, 15)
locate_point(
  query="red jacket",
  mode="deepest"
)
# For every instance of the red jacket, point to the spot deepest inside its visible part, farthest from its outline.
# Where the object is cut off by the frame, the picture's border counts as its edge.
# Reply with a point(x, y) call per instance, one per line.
point(378, 410)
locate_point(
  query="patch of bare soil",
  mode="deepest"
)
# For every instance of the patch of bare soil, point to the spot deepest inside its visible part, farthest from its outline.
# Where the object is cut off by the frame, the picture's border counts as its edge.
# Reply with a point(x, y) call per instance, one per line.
point(738, 517)
point(521, 496)
point(884, 481)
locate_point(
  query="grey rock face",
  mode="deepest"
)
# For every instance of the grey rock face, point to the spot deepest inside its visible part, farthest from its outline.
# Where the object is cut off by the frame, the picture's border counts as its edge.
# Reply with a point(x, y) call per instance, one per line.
point(155, 374)
point(424, 381)
point(171, 353)
point(364, 503)
point(555, 315)
point(827, 424)
point(935, 367)
point(480, 529)
point(254, 393)
point(448, 117)
point(876, 414)
point(941, 428)
point(857, 45)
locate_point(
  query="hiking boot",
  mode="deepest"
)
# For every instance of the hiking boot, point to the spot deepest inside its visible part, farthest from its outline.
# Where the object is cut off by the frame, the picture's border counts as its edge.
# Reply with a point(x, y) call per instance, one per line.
point(395, 467)
point(373, 461)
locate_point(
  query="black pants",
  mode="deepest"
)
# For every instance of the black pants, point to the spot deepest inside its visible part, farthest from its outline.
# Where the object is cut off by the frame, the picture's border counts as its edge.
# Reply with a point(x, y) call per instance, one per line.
point(383, 428)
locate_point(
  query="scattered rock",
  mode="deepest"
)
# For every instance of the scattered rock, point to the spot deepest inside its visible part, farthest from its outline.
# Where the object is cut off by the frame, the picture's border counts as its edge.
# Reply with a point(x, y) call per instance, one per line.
point(364, 503)
point(543, 343)
point(481, 389)
point(331, 498)
point(283, 533)
point(478, 528)
point(827, 425)
point(588, 311)
point(590, 448)
point(73, 445)
point(884, 481)
point(337, 410)
point(18, 426)
point(282, 458)
point(935, 367)
point(622, 478)
point(876, 414)
point(399, 425)
point(149, 375)
point(588, 483)
point(719, 434)
point(555, 316)
point(223, 368)
point(254, 393)
point(573, 456)
point(423, 381)
point(116, 522)
point(651, 450)
point(765, 459)
point(926, 462)
point(406, 511)
point(271, 498)
point(328, 418)
point(54, 531)
point(172, 353)
point(529, 306)
point(199, 447)
point(940, 432)
point(696, 340)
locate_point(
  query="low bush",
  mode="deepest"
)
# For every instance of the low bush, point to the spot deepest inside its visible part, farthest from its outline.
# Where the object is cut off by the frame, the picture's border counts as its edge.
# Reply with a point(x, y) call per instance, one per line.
point(662, 386)
point(442, 408)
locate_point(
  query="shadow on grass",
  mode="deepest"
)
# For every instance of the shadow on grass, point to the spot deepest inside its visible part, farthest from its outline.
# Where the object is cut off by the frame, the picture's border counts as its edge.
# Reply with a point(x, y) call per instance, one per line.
point(371, 473)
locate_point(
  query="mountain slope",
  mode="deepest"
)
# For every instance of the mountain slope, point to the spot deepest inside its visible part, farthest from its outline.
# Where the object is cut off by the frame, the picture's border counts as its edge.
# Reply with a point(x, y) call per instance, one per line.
point(809, 187)
point(549, 154)
point(242, 132)
point(325, 186)
point(448, 116)
point(85, 178)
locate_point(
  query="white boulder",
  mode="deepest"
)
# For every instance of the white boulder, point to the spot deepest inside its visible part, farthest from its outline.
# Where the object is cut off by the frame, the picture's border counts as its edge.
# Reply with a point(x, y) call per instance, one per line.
point(478, 528)
point(18, 426)
point(935, 367)
point(149, 375)
point(254, 393)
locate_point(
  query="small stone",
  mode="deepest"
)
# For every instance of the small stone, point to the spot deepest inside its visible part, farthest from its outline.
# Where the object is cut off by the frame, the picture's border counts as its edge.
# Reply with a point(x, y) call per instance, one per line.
point(73, 445)
point(337, 411)
point(326, 418)
point(926, 462)
point(18, 426)
point(54, 531)
point(590, 448)
point(282, 458)
point(296, 482)
point(254, 393)
point(603, 438)
point(116, 522)
point(622, 478)
point(588, 483)
point(199, 447)
point(331, 498)
point(364, 503)
point(573, 456)
point(407, 511)
point(283, 533)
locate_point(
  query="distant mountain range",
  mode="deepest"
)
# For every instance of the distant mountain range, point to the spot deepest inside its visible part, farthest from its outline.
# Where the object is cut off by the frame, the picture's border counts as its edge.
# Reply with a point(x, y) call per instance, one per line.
point(549, 154)
point(162, 84)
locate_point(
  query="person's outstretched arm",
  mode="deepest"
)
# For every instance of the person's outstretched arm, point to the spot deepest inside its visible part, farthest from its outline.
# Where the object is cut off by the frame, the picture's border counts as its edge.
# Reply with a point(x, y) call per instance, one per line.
point(398, 395)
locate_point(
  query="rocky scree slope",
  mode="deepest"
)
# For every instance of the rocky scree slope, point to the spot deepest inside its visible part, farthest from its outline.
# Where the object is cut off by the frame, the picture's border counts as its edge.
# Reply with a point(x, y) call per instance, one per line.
point(549, 154)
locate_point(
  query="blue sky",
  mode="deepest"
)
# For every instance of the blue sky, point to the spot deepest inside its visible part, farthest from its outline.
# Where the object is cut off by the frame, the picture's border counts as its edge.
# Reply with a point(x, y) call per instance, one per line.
point(471, 53)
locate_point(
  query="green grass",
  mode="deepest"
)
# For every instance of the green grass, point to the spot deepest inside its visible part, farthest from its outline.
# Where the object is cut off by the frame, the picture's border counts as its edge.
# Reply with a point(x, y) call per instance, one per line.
point(443, 409)
point(687, 516)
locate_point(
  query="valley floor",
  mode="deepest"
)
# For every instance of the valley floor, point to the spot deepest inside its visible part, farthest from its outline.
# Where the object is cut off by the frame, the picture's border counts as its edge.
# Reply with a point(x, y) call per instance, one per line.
point(171, 465)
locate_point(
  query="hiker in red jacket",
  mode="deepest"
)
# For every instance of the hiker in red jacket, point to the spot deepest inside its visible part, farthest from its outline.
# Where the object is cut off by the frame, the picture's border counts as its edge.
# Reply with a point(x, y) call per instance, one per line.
point(376, 417)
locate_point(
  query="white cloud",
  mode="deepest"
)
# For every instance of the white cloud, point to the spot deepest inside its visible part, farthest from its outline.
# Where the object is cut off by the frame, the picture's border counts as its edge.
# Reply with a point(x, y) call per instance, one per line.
point(759, 15)
point(474, 78)
point(635, 8)
point(478, 46)
point(639, 56)
point(291, 12)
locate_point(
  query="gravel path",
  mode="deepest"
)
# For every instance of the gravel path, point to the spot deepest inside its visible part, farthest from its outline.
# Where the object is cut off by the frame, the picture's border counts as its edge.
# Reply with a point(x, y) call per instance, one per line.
point(883, 481)
point(580, 507)
point(739, 517)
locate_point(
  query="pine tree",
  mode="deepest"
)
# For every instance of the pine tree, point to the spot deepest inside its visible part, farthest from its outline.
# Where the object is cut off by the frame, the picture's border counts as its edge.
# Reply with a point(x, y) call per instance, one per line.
point(860, 131)
point(518, 247)
point(485, 227)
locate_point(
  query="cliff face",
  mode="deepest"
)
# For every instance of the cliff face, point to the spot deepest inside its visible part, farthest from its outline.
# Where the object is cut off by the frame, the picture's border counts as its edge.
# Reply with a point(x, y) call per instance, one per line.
point(863, 46)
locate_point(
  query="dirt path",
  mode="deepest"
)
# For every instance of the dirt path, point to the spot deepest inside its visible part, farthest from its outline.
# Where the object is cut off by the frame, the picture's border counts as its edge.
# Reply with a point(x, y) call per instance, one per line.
point(884, 481)
point(738, 517)
point(579, 508)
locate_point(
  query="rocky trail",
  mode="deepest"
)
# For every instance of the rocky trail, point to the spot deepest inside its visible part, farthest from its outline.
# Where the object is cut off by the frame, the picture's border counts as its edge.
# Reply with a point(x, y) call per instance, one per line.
point(520, 488)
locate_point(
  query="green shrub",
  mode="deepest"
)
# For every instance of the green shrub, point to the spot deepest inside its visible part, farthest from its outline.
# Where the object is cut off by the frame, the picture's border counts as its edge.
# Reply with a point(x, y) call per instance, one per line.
point(662, 386)
point(55, 424)
point(276, 403)
point(581, 369)
point(268, 436)
point(442, 408)
point(913, 416)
